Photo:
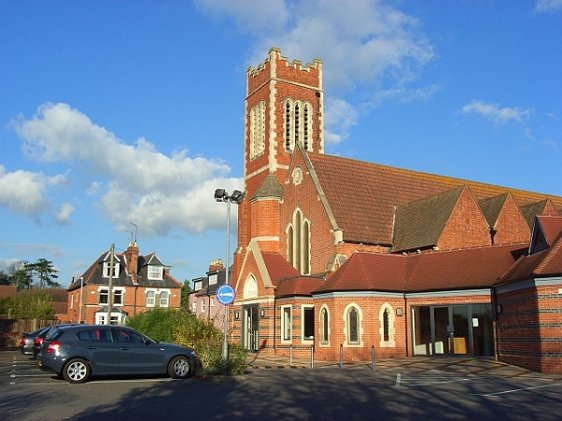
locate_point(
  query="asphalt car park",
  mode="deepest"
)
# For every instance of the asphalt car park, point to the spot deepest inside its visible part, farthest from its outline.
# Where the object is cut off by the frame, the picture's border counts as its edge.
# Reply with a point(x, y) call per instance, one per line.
point(415, 388)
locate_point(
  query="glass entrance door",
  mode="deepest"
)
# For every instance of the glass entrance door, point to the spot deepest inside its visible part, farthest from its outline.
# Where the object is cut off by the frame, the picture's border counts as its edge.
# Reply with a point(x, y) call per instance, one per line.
point(251, 328)
point(449, 330)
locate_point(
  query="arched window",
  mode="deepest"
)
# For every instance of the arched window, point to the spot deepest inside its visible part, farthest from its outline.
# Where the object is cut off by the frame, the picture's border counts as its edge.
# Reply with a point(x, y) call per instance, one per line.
point(352, 326)
point(352, 329)
point(298, 243)
point(298, 124)
point(324, 326)
point(385, 325)
point(387, 329)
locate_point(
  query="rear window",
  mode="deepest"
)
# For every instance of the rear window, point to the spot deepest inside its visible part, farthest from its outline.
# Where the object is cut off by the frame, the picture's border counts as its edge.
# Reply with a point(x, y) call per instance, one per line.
point(94, 335)
point(52, 333)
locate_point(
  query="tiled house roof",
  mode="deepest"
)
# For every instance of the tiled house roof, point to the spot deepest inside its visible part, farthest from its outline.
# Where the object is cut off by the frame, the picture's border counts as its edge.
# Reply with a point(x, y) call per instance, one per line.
point(363, 195)
point(452, 270)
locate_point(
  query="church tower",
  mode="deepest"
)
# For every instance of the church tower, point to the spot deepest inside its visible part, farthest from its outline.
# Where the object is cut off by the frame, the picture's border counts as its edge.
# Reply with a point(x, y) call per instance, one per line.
point(283, 107)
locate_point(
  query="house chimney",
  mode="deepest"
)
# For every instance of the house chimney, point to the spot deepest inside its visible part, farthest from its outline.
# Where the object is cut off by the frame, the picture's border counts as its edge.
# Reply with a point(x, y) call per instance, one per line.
point(132, 254)
point(216, 265)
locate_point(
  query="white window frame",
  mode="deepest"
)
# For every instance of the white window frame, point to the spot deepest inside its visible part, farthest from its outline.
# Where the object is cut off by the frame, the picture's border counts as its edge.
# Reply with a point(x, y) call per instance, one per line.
point(347, 330)
point(391, 343)
point(322, 325)
point(155, 272)
point(286, 324)
point(304, 339)
point(106, 267)
point(164, 302)
point(153, 298)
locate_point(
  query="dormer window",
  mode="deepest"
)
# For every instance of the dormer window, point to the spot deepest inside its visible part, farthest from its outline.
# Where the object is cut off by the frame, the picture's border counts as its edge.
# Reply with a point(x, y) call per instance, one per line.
point(155, 272)
point(107, 270)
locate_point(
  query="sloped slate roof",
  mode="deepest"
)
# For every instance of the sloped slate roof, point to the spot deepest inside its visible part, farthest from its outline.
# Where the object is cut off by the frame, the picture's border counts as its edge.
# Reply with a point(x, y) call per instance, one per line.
point(530, 210)
point(363, 195)
point(270, 187)
point(492, 207)
point(94, 274)
point(419, 224)
point(449, 270)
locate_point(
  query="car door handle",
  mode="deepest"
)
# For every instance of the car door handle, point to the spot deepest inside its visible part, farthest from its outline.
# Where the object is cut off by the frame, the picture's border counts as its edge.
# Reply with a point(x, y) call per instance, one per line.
point(90, 347)
point(124, 349)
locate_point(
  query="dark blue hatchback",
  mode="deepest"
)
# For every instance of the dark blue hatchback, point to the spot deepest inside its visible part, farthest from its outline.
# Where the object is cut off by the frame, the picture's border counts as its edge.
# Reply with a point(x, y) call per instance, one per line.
point(77, 352)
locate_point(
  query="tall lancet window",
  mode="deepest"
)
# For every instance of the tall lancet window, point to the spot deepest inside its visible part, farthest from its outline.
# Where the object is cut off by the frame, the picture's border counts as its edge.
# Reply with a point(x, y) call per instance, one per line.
point(298, 124)
point(298, 243)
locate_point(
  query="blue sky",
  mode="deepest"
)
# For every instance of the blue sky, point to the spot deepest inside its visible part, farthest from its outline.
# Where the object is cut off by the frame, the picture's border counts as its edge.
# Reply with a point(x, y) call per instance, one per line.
point(121, 112)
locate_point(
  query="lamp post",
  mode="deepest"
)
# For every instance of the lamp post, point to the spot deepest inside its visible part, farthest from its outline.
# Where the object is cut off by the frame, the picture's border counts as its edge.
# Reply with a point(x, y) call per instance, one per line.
point(236, 197)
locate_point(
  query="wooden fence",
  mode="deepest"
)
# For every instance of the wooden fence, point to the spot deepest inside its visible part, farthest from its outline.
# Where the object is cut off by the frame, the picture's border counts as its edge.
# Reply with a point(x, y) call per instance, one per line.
point(11, 330)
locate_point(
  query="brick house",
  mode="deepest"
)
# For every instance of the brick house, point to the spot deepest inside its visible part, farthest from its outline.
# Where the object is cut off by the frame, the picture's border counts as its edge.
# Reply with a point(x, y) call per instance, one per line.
point(348, 257)
point(202, 300)
point(138, 283)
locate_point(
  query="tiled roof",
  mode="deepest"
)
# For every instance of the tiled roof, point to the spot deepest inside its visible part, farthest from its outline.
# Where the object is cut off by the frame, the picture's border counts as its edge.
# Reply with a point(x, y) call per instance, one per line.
point(446, 270)
point(7, 291)
point(94, 274)
point(419, 224)
point(530, 210)
point(551, 226)
point(492, 207)
point(300, 285)
point(278, 267)
point(363, 195)
point(544, 263)
point(269, 188)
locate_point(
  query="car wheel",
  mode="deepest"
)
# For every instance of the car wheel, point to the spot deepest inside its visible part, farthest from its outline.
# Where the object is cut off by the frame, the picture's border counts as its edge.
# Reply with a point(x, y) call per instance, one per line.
point(76, 371)
point(179, 367)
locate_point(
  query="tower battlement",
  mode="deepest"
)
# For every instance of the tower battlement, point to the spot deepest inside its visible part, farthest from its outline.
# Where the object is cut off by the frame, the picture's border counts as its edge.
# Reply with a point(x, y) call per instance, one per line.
point(277, 66)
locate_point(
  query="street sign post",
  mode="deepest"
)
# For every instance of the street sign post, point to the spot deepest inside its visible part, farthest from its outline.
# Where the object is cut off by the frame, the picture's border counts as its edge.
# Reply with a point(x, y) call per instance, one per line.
point(225, 294)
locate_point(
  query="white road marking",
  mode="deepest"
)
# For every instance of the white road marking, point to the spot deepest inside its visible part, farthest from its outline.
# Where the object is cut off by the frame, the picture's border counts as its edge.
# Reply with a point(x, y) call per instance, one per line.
point(398, 378)
point(517, 390)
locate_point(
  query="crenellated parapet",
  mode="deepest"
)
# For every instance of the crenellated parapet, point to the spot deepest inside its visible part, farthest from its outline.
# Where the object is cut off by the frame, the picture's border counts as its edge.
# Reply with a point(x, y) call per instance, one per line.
point(278, 67)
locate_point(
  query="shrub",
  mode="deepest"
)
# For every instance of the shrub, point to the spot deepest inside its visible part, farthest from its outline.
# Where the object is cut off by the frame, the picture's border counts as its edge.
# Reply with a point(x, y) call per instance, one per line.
point(159, 323)
point(169, 325)
point(208, 341)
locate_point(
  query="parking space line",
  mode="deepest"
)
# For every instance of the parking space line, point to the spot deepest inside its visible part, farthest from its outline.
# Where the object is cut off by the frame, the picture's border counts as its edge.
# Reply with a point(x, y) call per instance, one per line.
point(520, 389)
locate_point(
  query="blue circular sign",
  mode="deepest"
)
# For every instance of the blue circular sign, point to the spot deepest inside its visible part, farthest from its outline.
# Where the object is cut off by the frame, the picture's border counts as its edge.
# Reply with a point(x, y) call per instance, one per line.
point(225, 294)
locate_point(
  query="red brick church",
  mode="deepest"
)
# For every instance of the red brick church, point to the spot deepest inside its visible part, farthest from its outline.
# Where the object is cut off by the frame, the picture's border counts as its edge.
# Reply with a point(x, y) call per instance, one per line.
point(348, 257)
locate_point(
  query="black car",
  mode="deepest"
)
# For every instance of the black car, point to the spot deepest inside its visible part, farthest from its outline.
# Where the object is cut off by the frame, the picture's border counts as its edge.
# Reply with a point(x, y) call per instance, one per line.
point(77, 352)
point(27, 340)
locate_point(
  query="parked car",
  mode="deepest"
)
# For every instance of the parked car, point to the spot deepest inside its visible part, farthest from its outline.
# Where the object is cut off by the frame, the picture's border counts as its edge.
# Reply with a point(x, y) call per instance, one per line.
point(27, 340)
point(77, 352)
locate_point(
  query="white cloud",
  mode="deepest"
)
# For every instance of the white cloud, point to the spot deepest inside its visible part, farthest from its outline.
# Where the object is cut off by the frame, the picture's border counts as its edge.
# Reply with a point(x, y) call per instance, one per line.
point(158, 192)
point(494, 113)
point(25, 192)
point(548, 6)
point(63, 216)
point(365, 45)
point(262, 14)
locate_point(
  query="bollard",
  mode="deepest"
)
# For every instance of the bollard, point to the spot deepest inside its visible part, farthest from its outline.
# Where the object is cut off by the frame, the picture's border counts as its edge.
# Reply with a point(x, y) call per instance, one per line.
point(341, 356)
point(311, 356)
point(290, 355)
point(373, 357)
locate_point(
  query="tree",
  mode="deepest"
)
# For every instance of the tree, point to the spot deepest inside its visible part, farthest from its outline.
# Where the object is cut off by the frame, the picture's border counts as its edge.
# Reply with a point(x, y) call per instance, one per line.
point(31, 304)
point(21, 275)
point(186, 289)
point(5, 278)
point(46, 273)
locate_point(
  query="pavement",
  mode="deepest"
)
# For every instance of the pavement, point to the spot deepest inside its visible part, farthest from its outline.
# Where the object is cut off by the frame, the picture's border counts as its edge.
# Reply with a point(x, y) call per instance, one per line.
point(450, 365)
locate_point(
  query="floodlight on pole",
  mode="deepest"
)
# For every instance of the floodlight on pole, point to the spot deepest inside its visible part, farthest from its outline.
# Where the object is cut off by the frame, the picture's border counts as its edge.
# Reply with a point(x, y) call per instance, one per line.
point(236, 197)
